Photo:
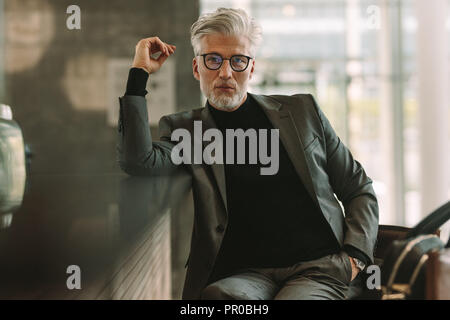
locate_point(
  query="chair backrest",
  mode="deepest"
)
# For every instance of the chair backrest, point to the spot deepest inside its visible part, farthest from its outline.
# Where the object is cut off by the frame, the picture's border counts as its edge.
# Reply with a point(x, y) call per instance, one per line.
point(431, 223)
point(387, 234)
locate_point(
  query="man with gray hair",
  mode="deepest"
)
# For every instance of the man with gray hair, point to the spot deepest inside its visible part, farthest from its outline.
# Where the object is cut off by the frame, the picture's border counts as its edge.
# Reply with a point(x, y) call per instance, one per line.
point(278, 236)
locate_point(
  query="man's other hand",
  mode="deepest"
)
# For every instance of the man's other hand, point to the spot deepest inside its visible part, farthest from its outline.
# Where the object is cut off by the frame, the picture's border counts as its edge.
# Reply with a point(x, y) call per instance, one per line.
point(355, 269)
point(148, 46)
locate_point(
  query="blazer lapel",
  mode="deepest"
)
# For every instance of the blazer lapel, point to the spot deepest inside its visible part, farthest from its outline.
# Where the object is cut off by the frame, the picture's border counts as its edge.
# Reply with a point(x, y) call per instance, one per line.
point(282, 119)
point(217, 169)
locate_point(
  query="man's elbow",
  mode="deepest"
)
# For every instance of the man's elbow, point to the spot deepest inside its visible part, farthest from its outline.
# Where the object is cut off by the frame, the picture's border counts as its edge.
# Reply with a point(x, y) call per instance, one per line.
point(128, 168)
point(361, 190)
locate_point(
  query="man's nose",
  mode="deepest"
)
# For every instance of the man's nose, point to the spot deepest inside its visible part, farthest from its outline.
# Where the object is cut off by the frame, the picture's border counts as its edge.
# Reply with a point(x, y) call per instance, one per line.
point(225, 70)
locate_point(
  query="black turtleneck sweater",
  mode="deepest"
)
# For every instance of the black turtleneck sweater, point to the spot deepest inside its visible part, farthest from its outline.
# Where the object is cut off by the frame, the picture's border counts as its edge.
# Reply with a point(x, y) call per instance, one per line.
point(273, 221)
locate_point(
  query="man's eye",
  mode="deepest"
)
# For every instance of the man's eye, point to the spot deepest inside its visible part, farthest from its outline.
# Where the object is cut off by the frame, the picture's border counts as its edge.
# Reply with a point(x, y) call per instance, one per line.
point(214, 59)
point(240, 60)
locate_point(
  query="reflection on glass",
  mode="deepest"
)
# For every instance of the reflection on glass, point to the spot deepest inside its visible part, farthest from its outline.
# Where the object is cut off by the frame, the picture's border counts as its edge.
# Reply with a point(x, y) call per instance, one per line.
point(29, 28)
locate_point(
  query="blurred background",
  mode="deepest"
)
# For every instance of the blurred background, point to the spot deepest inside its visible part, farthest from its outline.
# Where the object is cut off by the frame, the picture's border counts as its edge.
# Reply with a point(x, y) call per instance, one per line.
point(378, 68)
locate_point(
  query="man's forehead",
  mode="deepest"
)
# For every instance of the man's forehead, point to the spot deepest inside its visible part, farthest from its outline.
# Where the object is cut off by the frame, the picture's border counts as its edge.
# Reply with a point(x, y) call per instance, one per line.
point(224, 44)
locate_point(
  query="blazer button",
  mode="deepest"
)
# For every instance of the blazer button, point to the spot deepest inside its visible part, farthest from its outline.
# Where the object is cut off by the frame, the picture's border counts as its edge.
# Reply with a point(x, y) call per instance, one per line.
point(220, 228)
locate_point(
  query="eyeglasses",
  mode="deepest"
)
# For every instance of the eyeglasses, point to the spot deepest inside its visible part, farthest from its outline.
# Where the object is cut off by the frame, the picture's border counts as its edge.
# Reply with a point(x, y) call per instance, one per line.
point(213, 61)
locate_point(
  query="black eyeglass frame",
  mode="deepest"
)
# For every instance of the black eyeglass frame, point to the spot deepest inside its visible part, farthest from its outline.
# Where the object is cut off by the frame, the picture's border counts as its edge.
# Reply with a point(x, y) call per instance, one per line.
point(223, 59)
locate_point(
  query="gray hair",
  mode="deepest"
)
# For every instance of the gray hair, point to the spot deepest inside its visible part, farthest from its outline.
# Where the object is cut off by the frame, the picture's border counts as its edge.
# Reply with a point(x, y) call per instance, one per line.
point(228, 21)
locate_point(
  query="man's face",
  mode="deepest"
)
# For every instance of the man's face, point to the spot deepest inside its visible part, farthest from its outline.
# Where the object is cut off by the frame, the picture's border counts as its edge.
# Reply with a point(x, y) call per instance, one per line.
point(213, 81)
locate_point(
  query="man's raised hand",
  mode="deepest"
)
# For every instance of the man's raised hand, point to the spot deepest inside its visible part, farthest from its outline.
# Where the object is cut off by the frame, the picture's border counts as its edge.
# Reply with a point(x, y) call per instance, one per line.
point(148, 46)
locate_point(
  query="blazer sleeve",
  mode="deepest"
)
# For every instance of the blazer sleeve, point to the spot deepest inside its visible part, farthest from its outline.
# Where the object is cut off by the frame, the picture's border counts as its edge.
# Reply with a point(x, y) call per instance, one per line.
point(353, 188)
point(137, 153)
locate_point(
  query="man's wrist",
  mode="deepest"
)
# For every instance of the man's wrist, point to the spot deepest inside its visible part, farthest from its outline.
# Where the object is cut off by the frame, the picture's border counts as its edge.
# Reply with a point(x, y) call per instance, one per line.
point(356, 253)
point(358, 263)
point(142, 68)
point(137, 82)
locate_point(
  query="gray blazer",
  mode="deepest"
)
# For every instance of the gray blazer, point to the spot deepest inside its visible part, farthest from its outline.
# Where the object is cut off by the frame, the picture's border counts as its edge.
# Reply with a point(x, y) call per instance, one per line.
point(324, 164)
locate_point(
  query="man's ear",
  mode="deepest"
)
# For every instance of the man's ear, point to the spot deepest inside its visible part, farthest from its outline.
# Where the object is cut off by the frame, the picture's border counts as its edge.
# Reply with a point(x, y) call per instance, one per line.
point(252, 69)
point(195, 69)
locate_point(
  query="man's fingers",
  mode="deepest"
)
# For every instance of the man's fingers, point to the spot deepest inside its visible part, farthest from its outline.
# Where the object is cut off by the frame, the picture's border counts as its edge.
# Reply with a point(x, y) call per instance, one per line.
point(146, 47)
point(167, 50)
point(161, 59)
point(164, 47)
point(156, 45)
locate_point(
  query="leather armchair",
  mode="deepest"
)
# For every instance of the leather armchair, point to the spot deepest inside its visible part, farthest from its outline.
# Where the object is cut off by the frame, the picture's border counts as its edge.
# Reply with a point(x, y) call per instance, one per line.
point(386, 234)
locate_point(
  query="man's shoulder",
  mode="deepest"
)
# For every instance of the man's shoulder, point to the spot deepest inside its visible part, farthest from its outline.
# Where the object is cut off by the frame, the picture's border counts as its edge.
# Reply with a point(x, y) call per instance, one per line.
point(305, 98)
point(300, 102)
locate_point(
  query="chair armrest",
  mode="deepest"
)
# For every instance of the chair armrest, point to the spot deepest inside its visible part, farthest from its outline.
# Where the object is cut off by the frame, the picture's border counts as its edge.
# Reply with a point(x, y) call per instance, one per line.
point(438, 275)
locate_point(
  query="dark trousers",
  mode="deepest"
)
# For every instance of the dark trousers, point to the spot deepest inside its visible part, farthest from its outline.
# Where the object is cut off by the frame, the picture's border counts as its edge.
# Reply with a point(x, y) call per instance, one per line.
point(324, 278)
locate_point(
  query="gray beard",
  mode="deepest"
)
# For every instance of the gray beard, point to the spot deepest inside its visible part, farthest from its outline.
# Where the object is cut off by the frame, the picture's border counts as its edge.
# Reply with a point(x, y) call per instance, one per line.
point(226, 103)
